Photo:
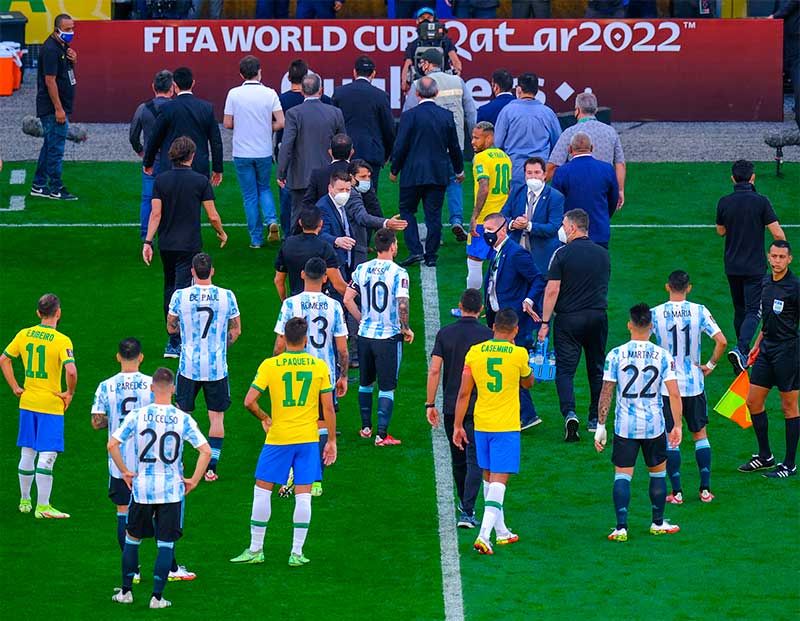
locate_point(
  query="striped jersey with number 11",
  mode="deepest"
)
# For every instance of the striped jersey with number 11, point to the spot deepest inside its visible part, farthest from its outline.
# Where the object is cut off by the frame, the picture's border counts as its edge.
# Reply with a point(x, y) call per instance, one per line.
point(204, 312)
point(117, 397)
point(380, 283)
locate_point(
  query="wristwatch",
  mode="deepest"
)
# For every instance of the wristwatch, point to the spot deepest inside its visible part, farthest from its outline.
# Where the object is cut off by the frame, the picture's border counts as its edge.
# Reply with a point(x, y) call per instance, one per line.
point(430, 405)
point(149, 242)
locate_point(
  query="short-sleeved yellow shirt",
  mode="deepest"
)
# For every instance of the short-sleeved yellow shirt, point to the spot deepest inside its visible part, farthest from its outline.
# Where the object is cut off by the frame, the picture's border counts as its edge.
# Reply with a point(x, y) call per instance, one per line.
point(494, 165)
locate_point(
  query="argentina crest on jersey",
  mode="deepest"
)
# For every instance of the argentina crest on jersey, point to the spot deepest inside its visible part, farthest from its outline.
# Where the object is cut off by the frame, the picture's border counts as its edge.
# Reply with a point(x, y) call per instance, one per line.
point(777, 306)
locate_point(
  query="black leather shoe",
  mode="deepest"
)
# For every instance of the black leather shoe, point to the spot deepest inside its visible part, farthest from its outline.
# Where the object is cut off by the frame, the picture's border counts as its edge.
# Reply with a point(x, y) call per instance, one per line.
point(430, 262)
point(411, 259)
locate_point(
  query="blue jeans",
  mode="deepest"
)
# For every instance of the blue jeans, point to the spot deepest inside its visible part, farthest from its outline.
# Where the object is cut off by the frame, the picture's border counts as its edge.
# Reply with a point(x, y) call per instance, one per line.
point(147, 197)
point(455, 201)
point(285, 196)
point(463, 10)
point(253, 174)
point(272, 9)
point(48, 169)
point(315, 9)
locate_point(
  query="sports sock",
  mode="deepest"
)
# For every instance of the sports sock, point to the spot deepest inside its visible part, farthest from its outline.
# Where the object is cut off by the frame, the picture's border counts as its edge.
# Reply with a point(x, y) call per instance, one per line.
point(302, 520)
point(702, 453)
point(622, 498)
point(216, 449)
point(674, 468)
point(323, 440)
point(163, 563)
point(761, 427)
point(493, 507)
point(26, 470)
point(500, 528)
point(44, 477)
point(130, 562)
point(365, 405)
point(658, 495)
point(474, 274)
point(262, 509)
point(174, 566)
point(385, 407)
point(122, 519)
point(792, 435)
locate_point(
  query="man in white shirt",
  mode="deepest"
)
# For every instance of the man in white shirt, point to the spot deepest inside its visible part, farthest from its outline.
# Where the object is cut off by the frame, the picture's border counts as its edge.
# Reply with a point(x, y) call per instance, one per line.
point(253, 111)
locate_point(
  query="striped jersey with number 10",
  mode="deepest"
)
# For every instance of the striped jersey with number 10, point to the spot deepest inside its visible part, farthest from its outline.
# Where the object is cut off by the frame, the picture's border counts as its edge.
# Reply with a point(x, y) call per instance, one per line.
point(325, 318)
point(380, 283)
point(157, 433)
point(204, 313)
point(117, 397)
point(679, 328)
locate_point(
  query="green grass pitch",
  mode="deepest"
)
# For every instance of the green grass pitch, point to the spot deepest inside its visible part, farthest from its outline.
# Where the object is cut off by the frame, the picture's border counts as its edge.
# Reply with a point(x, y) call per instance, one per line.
point(373, 540)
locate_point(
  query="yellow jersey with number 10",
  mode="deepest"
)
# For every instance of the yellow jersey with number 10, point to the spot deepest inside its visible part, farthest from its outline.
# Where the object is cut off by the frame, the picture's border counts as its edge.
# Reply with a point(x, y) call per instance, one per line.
point(495, 166)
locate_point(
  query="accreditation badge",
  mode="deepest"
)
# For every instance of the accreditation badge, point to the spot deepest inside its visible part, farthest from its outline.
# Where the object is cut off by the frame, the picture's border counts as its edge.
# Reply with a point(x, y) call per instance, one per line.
point(777, 306)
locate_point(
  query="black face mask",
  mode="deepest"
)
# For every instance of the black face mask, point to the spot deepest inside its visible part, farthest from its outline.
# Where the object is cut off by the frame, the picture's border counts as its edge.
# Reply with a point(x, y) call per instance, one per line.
point(490, 237)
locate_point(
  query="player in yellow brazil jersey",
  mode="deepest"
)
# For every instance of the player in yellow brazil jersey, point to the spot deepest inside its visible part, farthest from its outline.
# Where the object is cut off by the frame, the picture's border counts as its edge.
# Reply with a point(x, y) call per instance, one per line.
point(298, 383)
point(496, 368)
point(42, 402)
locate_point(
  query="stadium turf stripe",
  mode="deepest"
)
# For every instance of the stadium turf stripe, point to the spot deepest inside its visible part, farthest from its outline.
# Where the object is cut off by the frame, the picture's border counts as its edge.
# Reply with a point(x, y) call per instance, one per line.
point(17, 177)
point(448, 539)
point(122, 225)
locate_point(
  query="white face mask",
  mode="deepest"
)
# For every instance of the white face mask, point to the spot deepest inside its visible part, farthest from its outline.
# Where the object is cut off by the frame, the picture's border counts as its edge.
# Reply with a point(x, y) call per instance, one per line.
point(534, 184)
point(562, 235)
point(363, 185)
point(340, 198)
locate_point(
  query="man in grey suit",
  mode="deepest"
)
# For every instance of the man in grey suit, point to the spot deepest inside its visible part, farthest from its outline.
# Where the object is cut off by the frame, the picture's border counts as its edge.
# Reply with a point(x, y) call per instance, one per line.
point(306, 138)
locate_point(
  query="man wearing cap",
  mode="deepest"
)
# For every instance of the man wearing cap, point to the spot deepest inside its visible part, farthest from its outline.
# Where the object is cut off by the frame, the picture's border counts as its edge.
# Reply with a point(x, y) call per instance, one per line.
point(451, 60)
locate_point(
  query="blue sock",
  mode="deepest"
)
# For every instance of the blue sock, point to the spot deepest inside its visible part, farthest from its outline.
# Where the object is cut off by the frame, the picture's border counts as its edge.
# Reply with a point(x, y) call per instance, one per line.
point(130, 562)
point(385, 407)
point(216, 448)
point(122, 520)
point(622, 498)
point(365, 405)
point(163, 563)
point(658, 495)
point(702, 452)
point(323, 440)
point(674, 468)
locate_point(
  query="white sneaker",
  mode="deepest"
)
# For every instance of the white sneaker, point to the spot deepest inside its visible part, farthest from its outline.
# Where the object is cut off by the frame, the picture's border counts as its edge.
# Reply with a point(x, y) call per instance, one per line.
point(665, 528)
point(618, 534)
point(122, 598)
point(159, 603)
point(181, 574)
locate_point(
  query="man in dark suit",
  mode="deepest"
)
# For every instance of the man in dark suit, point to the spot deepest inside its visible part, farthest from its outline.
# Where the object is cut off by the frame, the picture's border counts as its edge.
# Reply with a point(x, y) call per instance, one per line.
point(306, 137)
point(536, 211)
point(512, 281)
point(503, 89)
point(425, 149)
point(341, 151)
point(367, 116)
point(189, 116)
point(589, 184)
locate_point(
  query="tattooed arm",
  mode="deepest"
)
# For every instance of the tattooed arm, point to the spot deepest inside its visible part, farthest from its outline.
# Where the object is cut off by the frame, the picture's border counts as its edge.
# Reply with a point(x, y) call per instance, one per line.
point(402, 311)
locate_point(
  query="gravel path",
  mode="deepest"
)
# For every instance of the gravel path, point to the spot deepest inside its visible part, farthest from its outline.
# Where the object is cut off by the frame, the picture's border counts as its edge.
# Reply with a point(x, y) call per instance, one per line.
point(643, 142)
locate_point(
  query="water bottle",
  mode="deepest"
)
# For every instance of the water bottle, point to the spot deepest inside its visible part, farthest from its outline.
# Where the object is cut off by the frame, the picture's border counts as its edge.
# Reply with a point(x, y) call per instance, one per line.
point(538, 357)
point(551, 358)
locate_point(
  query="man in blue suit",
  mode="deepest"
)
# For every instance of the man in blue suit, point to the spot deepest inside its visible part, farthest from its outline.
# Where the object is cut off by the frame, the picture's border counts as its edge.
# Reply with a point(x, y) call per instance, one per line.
point(512, 281)
point(367, 116)
point(589, 184)
point(503, 89)
point(535, 211)
point(426, 147)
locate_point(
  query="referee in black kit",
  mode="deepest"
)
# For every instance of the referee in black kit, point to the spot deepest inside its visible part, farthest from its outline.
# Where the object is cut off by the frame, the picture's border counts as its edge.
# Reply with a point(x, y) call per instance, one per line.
point(778, 362)
point(577, 290)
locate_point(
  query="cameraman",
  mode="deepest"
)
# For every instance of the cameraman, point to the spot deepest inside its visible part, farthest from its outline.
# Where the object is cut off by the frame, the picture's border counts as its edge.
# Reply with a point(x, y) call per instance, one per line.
point(451, 59)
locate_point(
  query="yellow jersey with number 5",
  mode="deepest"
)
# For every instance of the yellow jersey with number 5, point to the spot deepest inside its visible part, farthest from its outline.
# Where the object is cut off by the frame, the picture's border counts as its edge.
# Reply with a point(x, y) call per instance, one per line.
point(295, 381)
point(44, 352)
point(493, 165)
point(497, 367)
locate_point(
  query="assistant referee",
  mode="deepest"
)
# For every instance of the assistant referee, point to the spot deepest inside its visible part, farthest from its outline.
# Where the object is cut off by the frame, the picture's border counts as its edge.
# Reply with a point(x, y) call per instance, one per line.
point(777, 363)
point(577, 290)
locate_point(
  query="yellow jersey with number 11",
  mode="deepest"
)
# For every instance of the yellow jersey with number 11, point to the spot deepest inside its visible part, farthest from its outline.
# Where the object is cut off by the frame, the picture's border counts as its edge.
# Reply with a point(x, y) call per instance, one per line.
point(495, 166)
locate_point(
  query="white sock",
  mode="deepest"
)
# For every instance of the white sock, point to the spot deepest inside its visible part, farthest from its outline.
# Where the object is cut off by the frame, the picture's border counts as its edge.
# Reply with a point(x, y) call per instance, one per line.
point(474, 274)
point(302, 519)
point(262, 509)
point(493, 509)
point(26, 470)
point(44, 477)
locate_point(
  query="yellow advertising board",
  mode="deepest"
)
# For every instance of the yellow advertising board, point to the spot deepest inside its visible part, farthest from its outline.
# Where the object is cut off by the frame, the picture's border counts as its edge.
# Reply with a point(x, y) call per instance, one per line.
point(41, 13)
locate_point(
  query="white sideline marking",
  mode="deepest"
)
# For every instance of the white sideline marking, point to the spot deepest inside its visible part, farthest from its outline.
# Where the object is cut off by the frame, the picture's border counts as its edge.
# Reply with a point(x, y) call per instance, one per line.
point(17, 177)
point(122, 225)
point(448, 539)
point(17, 203)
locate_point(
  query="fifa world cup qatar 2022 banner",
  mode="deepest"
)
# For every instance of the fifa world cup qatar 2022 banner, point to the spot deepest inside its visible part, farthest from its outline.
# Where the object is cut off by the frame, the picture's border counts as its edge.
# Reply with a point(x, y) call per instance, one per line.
point(665, 70)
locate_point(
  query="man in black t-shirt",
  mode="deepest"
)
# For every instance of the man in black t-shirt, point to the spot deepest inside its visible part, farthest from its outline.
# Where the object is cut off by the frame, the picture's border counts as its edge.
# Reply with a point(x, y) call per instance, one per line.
point(777, 362)
point(577, 290)
point(178, 195)
point(741, 219)
point(54, 95)
point(447, 361)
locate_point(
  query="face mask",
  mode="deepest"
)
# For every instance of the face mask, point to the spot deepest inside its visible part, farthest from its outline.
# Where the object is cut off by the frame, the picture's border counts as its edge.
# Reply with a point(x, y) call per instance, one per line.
point(562, 235)
point(340, 198)
point(363, 185)
point(66, 37)
point(491, 237)
point(535, 184)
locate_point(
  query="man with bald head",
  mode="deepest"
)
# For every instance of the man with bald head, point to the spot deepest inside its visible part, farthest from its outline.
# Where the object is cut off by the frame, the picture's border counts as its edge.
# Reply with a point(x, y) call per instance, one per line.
point(588, 184)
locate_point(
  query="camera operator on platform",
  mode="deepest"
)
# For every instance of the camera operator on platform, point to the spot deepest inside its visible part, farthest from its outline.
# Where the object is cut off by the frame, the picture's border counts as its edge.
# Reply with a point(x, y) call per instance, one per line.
point(430, 33)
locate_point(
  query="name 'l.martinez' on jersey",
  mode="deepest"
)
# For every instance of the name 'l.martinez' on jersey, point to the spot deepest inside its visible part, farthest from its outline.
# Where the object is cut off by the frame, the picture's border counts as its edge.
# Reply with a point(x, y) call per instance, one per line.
point(380, 283)
point(157, 433)
point(204, 312)
point(325, 318)
point(678, 328)
point(639, 368)
point(117, 397)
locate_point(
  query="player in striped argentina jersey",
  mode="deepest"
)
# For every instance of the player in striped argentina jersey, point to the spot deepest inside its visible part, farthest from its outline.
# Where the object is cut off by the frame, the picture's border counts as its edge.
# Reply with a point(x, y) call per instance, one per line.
point(207, 317)
point(678, 326)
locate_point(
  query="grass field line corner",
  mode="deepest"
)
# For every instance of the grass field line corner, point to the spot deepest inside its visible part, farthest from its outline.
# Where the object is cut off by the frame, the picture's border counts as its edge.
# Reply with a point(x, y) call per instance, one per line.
point(17, 177)
point(448, 537)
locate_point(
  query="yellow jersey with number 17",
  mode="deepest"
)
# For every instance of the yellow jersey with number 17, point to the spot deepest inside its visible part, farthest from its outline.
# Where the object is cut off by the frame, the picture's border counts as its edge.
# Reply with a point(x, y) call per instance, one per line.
point(44, 352)
point(295, 381)
point(493, 165)
point(497, 367)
